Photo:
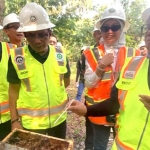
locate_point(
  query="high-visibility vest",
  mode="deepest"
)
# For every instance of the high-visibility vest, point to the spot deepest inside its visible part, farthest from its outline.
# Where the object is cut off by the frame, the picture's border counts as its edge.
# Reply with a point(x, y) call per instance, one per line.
point(42, 95)
point(134, 119)
point(102, 91)
point(4, 107)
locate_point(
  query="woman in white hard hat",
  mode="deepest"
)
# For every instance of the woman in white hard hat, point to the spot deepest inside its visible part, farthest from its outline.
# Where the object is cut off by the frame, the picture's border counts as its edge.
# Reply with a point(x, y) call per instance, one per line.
point(134, 117)
point(36, 75)
point(103, 67)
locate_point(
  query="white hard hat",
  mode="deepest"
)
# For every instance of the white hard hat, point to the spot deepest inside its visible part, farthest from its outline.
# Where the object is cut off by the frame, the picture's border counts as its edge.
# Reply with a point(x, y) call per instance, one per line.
point(146, 15)
point(59, 44)
point(11, 18)
point(142, 43)
point(113, 12)
point(96, 29)
point(33, 17)
point(1, 27)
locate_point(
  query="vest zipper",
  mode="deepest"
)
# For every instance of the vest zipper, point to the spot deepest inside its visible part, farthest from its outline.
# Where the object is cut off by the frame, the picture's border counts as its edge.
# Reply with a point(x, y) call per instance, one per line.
point(47, 94)
point(143, 131)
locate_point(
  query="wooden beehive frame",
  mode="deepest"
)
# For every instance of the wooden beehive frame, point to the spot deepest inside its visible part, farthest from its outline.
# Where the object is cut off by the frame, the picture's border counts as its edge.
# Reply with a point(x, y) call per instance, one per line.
point(33, 133)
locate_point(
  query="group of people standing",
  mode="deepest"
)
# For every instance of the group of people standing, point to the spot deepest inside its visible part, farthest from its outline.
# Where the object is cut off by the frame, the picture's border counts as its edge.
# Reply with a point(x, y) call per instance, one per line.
point(34, 77)
point(117, 85)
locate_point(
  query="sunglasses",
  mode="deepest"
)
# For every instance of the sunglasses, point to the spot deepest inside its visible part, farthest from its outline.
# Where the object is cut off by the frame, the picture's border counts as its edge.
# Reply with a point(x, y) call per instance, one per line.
point(113, 28)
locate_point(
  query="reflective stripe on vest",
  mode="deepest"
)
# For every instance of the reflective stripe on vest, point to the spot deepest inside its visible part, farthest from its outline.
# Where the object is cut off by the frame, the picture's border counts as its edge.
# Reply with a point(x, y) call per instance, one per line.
point(10, 46)
point(119, 145)
point(133, 66)
point(4, 107)
point(22, 66)
point(42, 112)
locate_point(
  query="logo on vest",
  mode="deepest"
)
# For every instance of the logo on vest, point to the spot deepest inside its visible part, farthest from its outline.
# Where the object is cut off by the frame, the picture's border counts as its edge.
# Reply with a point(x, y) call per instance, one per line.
point(129, 74)
point(19, 59)
point(59, 57)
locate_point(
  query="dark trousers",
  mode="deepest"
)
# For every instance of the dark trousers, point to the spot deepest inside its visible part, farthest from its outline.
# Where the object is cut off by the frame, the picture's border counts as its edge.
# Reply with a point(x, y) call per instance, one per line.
point(101, 136)
point(89, 139)
point(58, 131)
point(5, 129)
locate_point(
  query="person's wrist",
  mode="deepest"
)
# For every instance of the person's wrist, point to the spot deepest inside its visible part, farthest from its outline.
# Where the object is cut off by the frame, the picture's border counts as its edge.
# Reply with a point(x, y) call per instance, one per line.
point(15, 120)
point(101, 64)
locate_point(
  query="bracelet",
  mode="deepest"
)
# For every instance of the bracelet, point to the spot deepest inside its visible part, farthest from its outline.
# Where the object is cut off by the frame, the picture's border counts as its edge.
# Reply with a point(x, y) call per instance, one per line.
point(100, 68)
point(14, 121)
point(102, 63)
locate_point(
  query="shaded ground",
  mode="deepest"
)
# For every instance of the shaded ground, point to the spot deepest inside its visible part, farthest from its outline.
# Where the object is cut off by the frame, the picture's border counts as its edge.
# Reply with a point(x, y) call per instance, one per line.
point(76, 124)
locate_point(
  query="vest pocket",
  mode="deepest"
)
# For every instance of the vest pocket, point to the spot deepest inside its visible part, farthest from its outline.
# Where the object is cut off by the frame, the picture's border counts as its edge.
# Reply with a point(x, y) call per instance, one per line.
point(22, 74)
point(126, 84)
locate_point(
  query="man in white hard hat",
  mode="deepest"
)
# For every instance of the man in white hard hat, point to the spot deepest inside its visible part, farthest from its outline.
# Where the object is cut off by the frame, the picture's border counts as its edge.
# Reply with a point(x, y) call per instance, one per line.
point(97, 36)
point(36, 77)
point(10, 26)
point(5, 123)
point(132, 88)
point(53, 40)
point(142, 48)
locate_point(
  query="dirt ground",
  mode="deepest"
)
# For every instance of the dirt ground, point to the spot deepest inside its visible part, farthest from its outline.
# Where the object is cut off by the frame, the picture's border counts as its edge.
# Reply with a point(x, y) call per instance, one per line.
point(76, 124)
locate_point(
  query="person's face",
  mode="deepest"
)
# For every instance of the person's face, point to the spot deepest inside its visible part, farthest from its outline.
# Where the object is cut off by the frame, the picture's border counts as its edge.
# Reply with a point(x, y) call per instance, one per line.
point(38, 40)
point(12, 33)
point(97, 36)
point(143, 50)
point(52, 41)
point(147, 35)
point(111, 31)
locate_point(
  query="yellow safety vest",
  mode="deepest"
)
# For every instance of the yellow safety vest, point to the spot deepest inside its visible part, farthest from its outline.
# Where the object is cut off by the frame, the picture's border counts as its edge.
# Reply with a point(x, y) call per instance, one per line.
point(42, 96)
point(4, 107)
point(134, 119)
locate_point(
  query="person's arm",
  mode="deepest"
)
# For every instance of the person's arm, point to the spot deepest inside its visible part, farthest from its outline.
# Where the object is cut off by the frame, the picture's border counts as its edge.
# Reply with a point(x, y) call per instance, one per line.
point(107, 107)
point(13, 96)
point(92, 78)
point(67, 75)
point(14, 86)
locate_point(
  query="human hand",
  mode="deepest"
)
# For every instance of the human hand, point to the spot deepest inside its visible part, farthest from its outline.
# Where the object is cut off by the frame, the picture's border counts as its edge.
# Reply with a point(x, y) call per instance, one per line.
point(107, 60)
point(77, 84)
point(16, 125)
point(78, 107)
point(145, 99)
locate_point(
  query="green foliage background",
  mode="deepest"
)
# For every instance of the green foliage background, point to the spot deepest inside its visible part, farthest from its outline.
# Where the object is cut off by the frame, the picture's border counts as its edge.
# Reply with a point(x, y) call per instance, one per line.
point(73, 26)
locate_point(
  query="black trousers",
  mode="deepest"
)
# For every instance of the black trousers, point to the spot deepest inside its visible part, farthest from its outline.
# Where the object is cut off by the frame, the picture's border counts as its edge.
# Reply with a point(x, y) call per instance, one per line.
point(58, 131)
point(5, 129)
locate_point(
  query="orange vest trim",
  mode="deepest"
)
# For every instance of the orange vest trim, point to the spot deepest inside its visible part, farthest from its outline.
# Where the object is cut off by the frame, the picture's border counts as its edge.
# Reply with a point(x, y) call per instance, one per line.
point(103, 89)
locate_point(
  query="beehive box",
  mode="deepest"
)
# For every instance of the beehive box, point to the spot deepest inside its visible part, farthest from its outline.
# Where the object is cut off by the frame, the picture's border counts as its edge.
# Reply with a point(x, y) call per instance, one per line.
point(25, 140)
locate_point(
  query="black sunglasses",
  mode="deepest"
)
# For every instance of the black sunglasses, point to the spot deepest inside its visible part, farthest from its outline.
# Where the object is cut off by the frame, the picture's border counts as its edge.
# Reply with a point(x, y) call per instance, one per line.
point(113, 28)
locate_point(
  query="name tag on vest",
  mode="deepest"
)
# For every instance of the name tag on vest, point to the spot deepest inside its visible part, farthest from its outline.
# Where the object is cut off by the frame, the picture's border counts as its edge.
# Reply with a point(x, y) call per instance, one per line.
point(129, 74)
